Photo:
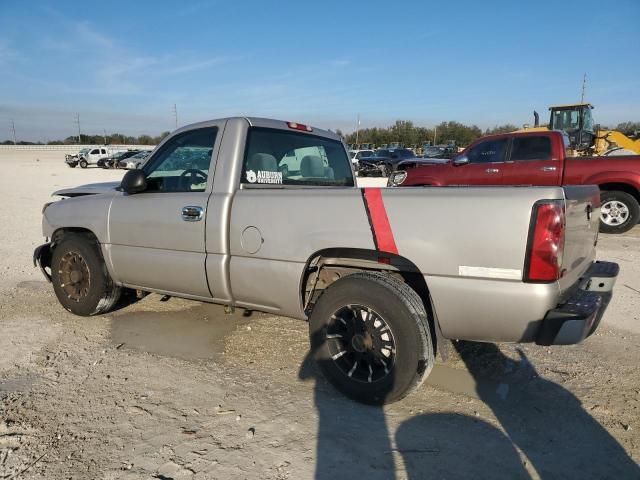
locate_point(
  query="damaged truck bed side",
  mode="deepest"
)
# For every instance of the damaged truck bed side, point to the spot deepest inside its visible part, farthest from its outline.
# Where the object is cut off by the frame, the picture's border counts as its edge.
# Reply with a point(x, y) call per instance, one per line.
point(265, 215)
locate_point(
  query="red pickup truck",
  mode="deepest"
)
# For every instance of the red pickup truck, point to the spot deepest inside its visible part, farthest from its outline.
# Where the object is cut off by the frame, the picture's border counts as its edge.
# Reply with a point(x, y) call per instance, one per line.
point(537, 158)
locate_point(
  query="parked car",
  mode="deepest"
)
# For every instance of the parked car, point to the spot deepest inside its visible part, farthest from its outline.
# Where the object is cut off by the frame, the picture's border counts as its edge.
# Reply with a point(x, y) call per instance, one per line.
point(92, 156)
point(112, 160)
point(382, 288)
point(356, 155)
point(134, 161)
point(439, 151)
point(383, 162)
point(539, 158)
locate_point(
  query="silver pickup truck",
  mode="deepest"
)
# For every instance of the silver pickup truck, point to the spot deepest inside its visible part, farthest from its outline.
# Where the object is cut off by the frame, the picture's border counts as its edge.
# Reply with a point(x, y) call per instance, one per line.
point(266, 215)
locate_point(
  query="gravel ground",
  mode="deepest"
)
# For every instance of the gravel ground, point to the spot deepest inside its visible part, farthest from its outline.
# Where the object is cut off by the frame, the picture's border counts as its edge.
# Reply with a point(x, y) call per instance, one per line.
point(177, 389)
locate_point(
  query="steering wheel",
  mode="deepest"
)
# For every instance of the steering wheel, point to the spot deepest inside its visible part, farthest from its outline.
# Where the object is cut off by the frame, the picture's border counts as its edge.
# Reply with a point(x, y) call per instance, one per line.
point(195, 176)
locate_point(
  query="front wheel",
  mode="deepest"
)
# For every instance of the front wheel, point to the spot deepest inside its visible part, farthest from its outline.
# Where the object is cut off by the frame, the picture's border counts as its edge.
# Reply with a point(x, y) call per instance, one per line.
point(80, 278)
point(370, 337)
point(83, 164)
point(619, 212)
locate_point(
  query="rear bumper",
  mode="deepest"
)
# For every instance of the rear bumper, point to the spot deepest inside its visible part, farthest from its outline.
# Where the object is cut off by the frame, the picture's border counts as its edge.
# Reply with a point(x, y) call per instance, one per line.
point(579, 316)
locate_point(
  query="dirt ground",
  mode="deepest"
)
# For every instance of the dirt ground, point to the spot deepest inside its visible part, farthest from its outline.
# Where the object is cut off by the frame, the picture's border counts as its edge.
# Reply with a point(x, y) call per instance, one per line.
point(179, 390)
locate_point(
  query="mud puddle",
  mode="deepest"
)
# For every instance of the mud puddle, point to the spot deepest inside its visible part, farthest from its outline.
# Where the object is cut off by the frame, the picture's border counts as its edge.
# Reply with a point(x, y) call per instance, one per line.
point(459, 381)
point(196, 333)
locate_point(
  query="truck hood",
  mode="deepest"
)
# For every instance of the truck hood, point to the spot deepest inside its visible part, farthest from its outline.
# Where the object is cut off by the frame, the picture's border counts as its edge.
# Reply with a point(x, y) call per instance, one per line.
point(90, 189)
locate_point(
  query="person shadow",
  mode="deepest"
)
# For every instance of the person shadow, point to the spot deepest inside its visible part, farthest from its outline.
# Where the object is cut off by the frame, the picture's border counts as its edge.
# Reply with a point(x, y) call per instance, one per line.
point(547, 433)
point(354, 440)
point(558, 438)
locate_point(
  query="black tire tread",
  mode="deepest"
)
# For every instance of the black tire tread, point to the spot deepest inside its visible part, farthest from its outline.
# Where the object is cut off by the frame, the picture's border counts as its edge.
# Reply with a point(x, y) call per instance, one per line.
point(416, 307)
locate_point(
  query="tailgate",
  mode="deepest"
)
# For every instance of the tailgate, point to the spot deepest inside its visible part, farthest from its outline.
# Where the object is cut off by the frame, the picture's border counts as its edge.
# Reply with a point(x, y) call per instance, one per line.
point(582, 212)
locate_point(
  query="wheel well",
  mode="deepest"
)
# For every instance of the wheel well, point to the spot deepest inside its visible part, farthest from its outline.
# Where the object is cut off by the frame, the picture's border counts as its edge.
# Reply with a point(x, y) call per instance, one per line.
point(327, 266)
point(60, 233)
point(621, 187)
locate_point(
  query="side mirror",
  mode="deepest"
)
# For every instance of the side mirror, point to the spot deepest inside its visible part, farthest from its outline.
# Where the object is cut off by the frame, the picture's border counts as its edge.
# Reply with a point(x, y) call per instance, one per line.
point(134, 181)
point(461, 160)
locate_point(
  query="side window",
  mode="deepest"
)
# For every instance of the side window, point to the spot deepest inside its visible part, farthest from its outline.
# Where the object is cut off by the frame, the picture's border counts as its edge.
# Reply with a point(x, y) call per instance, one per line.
point(103, 152)
point(95, 151)
point(531, 148)
point(182, 164)
point(280, 157)
point(488, 152)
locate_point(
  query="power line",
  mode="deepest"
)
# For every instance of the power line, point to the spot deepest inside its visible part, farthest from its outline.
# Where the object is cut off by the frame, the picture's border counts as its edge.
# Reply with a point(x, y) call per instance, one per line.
point(78, 122)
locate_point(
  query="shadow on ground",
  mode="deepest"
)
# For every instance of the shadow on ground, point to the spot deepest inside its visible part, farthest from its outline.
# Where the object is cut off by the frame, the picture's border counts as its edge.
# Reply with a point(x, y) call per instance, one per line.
point(546, 430)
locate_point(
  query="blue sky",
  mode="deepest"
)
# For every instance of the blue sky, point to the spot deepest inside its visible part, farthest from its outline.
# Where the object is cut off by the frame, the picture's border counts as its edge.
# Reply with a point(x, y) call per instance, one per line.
point(123, 65)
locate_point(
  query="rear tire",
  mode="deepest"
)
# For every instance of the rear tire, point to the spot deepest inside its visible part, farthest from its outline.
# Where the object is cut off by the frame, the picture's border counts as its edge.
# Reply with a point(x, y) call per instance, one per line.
point(619, 213)
point(381, 325)
point(80, 277)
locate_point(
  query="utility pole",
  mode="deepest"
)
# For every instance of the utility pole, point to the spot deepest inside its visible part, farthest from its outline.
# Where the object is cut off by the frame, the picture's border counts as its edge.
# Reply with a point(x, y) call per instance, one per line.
point(104, 131)
point(13, 127)
point(357, 131)
point(175, 114)
point(584, 86)
point(78, 122)
point(435, 133)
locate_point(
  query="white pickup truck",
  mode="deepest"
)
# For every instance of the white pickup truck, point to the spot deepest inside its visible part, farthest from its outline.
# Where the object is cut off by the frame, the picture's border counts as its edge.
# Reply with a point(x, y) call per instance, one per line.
point(90, 156)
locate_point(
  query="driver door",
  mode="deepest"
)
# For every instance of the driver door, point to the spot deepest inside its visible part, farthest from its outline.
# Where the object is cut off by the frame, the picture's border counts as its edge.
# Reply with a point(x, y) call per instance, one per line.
point(157, 237)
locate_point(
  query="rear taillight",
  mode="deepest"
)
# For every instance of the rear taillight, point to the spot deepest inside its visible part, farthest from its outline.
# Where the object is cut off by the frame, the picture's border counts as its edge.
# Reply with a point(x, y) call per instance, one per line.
point(546, 242)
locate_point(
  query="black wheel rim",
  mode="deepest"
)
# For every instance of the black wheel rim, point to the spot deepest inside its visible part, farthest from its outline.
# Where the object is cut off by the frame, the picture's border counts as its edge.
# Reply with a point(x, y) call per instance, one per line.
point(360, 343)
point(74, 276)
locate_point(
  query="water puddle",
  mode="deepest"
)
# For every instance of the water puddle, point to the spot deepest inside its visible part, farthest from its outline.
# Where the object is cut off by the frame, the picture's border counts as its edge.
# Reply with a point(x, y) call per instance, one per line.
point(193, 334)
point(461, 381)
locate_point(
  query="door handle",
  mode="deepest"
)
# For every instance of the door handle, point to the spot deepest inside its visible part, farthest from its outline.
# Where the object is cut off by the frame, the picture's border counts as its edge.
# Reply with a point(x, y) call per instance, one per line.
point(492, 170)
point(548, 169)
point(192, 213)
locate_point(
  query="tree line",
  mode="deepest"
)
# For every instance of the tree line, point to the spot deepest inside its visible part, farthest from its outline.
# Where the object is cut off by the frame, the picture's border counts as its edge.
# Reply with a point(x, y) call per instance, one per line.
point(112, 139)
point(405, 132)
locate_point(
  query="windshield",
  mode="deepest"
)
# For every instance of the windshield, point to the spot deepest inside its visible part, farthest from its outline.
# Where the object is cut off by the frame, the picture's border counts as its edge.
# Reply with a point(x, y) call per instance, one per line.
point(382, 153)
point(433, 151)
point(565, 120)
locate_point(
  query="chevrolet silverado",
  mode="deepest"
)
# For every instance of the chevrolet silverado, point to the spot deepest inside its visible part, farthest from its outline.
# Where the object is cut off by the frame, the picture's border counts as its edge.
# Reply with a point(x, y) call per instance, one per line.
point(220, 213)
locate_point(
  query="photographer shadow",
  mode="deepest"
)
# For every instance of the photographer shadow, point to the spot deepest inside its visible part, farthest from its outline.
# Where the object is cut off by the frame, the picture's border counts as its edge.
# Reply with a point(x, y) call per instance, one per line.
point(546, 422)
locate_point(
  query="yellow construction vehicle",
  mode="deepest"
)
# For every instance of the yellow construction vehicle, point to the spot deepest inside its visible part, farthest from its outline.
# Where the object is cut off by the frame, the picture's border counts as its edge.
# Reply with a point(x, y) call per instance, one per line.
point(585, 137)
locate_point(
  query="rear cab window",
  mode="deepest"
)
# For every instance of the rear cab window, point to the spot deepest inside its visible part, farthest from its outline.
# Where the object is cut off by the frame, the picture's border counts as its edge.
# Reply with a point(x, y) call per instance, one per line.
point(280, 157)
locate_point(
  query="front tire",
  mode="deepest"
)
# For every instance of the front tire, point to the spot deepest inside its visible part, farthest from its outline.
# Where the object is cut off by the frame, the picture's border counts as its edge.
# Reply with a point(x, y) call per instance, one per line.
point(83, 164)
point(80, 278)
point(619, 212)
point(371, 338)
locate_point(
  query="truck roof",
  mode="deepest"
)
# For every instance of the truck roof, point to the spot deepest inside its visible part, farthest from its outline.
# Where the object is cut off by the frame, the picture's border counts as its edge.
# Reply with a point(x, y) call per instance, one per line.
point(266, 123)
